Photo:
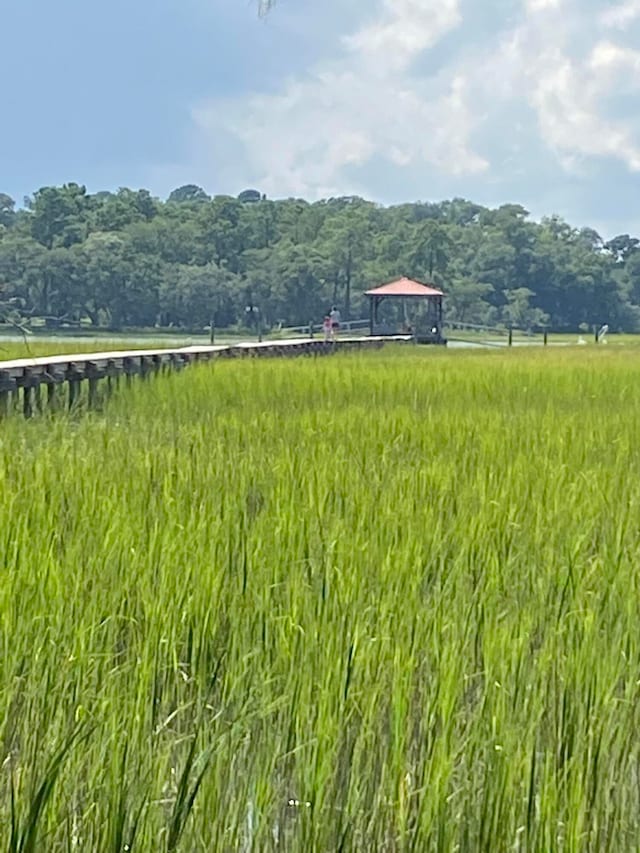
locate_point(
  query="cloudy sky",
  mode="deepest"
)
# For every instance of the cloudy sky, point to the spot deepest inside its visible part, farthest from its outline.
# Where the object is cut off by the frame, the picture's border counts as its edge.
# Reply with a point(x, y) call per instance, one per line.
point(534, 101)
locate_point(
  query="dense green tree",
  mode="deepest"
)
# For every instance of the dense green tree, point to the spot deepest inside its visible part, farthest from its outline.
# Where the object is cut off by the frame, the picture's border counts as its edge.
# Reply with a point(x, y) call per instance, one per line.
point(115, 211)
point(7, 211)
point(188, 193)
point(128, 259)
point(59, 215)
point(203, 292)
point(519, 311)
point(467, 300)
point(432, 250)
point(623, 247)
point(346, 242)
point(250, 196)
point(101, 259)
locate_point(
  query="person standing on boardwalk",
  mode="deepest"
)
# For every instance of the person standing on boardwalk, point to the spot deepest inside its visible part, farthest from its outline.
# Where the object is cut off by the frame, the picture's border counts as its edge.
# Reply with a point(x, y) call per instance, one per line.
point(327, 328)
point(334, 315)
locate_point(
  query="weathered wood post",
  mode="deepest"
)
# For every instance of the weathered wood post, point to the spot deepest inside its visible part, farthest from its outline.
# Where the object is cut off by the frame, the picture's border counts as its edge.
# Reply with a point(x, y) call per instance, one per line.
point(37, 398)
point(91, 372)
point(110, 371)
point(156, 361)
point(128, 371)
point(93, 392)
point(7, 384)
point(73, 393)
point(27, 391)
point(510, 336)
point(212, 332)
point(145, 367)
point(74, 378)
point(52, 397)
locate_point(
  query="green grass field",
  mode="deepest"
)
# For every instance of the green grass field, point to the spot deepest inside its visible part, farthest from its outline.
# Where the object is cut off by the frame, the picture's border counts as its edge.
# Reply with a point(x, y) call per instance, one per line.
point(34, 348)
point(380, 602)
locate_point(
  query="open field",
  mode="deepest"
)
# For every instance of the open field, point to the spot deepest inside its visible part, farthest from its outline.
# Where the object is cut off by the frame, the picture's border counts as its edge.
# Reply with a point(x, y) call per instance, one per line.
point(14, 346)
point(35, 347)
point(379, 602)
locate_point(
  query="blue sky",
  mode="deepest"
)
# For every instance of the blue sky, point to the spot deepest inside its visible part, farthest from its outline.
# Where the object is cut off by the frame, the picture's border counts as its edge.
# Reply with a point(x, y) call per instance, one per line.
point(531, 101)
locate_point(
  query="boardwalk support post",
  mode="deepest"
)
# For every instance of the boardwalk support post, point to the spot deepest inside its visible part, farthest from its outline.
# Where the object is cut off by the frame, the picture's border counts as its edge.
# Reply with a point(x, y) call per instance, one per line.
point(74, 392)
point(37, 398)
point(74, 378)
point(21, 380)
point(93, 373)
point(27, 390)
point(93, 392)
point(51, 397)
point(6, 387)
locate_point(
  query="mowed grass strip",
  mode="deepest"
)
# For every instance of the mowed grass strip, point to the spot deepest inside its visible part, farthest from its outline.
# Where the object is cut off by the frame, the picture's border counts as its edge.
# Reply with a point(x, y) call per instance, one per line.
point(378, 602)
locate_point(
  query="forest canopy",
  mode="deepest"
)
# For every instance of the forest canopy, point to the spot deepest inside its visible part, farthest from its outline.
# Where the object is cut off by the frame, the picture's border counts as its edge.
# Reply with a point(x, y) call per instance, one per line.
point(126, 259)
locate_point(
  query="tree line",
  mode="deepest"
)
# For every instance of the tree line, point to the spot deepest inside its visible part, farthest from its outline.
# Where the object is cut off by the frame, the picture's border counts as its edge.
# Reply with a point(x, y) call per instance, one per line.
point(126, 259)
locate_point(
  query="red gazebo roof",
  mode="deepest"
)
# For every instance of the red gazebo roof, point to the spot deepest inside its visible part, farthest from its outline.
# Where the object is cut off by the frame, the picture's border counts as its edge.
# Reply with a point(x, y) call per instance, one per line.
point(405, 287)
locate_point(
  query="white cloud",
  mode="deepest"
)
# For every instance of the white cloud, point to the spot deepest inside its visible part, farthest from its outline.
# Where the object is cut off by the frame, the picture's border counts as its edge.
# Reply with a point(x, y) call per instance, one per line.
point(536, 64)
point(569, 92)
point(364, 105)
point(403, 31)
point(621, 15)
point(615, 59)
point(541, 5)
point(372, 108)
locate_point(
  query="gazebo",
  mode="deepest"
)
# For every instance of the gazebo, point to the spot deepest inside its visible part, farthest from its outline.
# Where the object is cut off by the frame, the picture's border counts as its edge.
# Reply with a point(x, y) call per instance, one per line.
point(426, 324)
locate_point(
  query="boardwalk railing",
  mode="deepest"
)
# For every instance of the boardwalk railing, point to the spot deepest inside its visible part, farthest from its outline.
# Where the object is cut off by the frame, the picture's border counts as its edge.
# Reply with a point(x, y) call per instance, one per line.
point(357, 326)
point(63, 375)
point(496, 336)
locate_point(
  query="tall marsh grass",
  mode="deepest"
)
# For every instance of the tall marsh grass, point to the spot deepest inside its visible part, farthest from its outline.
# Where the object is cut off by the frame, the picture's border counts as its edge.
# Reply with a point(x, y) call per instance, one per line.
point(380, 602)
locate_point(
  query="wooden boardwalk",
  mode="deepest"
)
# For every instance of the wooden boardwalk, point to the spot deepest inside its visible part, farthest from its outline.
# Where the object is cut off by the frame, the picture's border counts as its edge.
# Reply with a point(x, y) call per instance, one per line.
point(26, 377)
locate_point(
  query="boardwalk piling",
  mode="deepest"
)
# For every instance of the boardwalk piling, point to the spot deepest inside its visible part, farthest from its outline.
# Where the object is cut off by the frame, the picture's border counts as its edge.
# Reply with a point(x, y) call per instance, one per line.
point(74, 378)
point(74, 390)
point(20, 380)
point(27, 407)
point(93, 392)
point(52, 396)
point(37, 398)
